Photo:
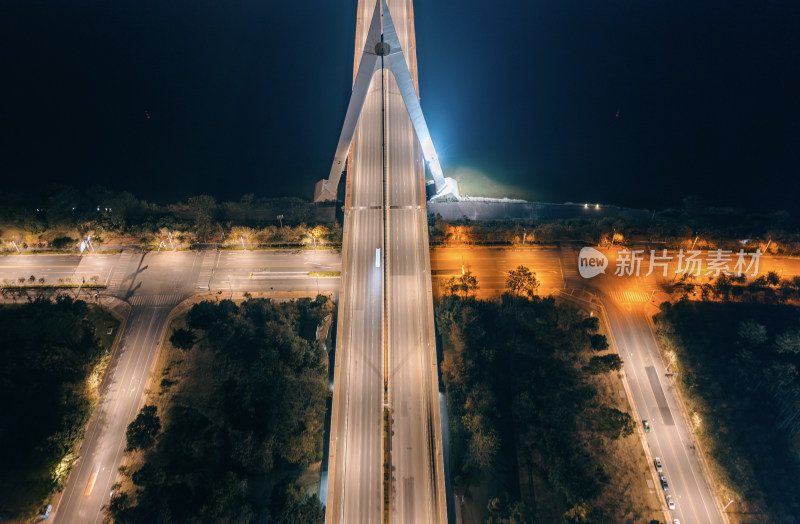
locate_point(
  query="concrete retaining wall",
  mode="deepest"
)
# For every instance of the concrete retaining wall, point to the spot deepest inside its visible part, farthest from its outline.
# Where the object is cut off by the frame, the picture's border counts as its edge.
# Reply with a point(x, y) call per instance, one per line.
point(529, 211)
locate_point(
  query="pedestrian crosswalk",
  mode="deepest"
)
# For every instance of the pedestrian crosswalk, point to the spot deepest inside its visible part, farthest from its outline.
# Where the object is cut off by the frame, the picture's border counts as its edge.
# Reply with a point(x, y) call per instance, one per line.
point(630, 297)
point(570, 260)
point(155, 300)
point(207, 269)
point(119, 272)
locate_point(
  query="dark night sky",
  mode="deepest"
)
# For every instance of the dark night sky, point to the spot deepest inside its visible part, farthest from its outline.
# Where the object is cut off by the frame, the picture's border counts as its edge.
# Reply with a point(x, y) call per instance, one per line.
point(248, 96)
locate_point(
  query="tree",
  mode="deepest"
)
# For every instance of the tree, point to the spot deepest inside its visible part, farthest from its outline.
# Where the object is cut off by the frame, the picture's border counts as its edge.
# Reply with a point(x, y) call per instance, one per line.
point(449, 286)
point(202, 315)
point(289, 504)
point(467, 283)
point(788, 343)
point(182, 338)
point(604, 364)
point(599, 342)
point(752, 332)
point(204, 208)
point(141, 433)
point(773, 279)
point(318, 233)
point(522, 282)
point(503, 510)
point(613, 423)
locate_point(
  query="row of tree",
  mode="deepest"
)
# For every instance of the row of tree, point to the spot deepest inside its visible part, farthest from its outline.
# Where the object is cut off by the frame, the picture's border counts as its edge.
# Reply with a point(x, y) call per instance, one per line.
point(67, 215)
point(737, 366)
point(518, 379)
point(769, 288)
point(48, 350)
point(215, 456)
point(776, 233)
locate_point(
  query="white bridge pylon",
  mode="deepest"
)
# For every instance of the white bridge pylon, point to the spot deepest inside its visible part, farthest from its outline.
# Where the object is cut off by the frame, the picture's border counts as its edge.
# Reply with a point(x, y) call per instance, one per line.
point(382, 50)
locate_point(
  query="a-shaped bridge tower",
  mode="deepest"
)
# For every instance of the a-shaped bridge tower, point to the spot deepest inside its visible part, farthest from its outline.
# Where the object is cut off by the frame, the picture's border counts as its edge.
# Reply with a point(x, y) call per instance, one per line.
point(382, 50)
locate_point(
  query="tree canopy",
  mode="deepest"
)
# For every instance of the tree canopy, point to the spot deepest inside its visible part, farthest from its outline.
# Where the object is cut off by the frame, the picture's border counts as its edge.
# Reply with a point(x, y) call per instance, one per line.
point(47, 352)
point(522, 282)
point(260, 419)
point(514, 372)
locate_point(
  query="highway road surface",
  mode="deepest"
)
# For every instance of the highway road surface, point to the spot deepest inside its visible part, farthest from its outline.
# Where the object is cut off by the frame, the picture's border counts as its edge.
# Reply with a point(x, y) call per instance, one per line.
point(417, 460)
point(386, 336)
point(355, 483)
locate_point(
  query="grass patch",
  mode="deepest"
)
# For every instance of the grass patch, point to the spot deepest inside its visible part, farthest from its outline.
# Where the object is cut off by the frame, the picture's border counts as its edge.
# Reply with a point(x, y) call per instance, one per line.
point(325, 274)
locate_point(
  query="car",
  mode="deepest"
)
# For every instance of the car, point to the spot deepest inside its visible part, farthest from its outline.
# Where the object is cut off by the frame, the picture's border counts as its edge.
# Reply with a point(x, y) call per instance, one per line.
point(676, 521)
point(670, 502)
point(664, 484)
point(646, 425)
point(657, 462)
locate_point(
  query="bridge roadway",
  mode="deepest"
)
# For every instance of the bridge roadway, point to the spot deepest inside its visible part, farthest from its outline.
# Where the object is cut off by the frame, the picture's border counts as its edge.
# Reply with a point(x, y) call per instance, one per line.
point(386, 316)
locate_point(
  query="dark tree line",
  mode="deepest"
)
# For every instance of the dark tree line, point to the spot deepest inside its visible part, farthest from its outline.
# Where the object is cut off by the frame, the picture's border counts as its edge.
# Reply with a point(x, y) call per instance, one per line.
point(769, 288)
point(217, 460)
point(738, 365)
point(47, 352)
point(517, 378)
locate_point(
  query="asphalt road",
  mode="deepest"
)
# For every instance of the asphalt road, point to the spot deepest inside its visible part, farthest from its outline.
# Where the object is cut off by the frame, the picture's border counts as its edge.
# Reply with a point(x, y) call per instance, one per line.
point(627, 303)
point(57, 269)
point(89, 484)
point(386, 317)
point(491, 266)
point(418, 490)
point(355, 485)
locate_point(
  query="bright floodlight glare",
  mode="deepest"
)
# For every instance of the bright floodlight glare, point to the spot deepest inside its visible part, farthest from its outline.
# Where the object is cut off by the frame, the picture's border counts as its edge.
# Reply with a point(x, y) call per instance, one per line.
point(597, 206)
point(585, 206)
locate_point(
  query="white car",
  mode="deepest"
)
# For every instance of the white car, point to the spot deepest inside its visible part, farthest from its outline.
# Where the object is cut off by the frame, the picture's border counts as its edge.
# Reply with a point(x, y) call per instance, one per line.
point(670, 502)
point(659, 467)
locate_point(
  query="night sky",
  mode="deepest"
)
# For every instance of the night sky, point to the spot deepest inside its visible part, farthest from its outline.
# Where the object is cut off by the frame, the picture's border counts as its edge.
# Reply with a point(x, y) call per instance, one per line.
point(627, 102)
